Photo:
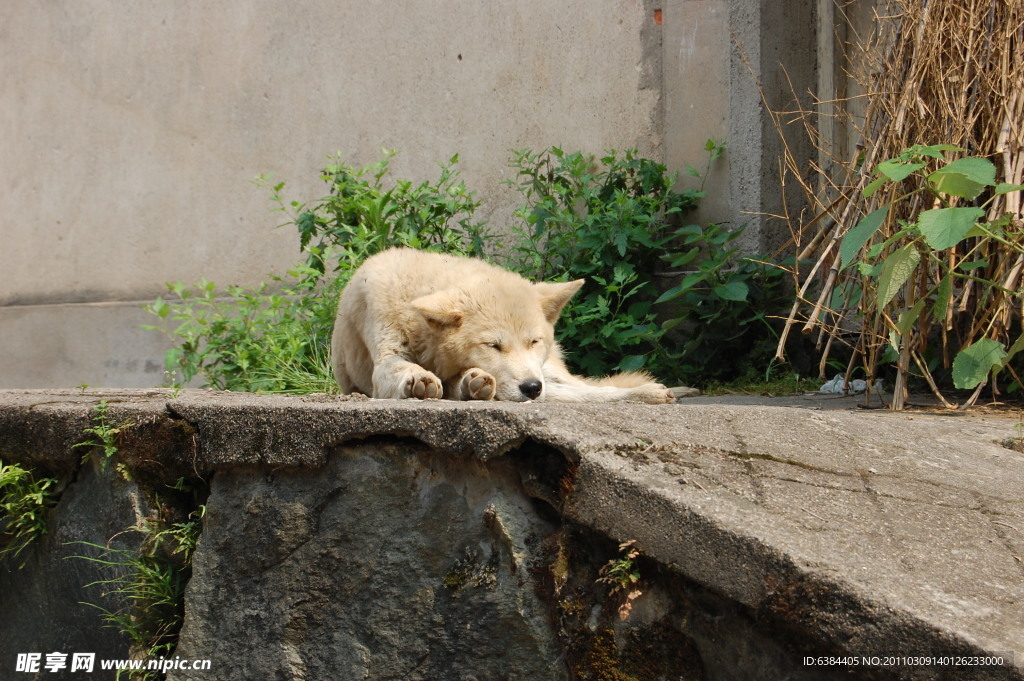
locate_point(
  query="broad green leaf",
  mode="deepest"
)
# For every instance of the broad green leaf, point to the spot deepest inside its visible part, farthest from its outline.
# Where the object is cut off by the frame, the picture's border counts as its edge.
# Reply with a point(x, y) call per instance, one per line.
point(972, 364)
point(733, 290)
point(896, 270)
point(973, 265)
point(896, 171)
point(965, 177)
point(1004, 188)
point(860, 234)
point(975, 168)
point(946, 227)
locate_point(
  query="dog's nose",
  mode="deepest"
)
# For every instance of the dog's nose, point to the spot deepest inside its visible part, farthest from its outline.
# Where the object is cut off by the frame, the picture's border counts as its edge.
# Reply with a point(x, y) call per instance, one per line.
point(531, 388)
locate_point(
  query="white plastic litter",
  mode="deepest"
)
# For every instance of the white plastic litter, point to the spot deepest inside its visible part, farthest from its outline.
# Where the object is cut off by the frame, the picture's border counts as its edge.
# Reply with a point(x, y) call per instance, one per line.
point(837, 386)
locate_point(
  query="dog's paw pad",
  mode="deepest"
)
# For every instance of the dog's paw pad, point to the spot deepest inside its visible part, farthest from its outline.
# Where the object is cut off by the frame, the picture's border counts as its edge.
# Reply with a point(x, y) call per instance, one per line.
point(477, 384)
point(424, 387)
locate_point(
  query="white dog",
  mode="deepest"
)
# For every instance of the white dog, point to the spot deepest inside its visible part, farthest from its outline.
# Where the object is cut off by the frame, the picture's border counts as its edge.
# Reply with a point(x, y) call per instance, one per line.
point(417, 324)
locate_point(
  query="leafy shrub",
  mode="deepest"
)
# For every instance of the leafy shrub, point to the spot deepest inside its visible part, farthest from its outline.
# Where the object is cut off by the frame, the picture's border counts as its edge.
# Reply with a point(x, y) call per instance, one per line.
point(726, 308)
point(272, 338)
point(933, 273)
point(607, 223)
point(614, 222)
point(275, 337)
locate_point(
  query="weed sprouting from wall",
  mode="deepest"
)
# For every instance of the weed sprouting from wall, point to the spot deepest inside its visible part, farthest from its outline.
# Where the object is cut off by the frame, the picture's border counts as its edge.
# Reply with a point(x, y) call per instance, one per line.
point(150, 582)
point(25, 499)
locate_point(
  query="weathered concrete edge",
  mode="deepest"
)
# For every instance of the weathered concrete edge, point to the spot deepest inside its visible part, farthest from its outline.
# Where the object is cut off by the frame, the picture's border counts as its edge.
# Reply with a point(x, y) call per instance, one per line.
point(842, 619)
point(299, 432)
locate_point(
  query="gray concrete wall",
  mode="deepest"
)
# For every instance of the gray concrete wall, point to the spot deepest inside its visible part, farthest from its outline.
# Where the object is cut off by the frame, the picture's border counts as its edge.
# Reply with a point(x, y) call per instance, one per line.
point(130, 134)
point(724, 61)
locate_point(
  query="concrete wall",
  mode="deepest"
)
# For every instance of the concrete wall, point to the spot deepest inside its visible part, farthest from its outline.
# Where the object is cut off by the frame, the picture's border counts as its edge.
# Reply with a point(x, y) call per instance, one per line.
point(724, 60)
point(131, 133)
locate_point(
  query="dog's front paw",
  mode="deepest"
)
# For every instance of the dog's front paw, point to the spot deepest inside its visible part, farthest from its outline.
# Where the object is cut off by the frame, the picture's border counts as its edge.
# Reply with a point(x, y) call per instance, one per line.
point(652, 393)
point(423, 385)
point(477, 384)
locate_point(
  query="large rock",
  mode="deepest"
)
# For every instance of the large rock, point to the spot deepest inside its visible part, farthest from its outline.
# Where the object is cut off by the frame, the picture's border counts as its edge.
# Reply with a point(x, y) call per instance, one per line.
point(397, 539)
point(392, 561)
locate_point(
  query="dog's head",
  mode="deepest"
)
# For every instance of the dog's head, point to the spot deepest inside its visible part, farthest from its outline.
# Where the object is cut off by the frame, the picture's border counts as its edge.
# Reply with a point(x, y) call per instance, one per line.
point(508, 331)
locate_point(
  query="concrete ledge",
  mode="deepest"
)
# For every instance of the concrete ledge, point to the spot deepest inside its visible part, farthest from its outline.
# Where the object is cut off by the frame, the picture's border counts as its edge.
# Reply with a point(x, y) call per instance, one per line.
point(869, 534)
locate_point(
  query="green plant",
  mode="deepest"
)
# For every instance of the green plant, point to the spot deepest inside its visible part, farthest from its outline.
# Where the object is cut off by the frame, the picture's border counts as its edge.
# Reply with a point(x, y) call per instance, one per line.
point(614, 222)
point(25, 499)
point(932, 274)
point(724, 308)
point(623, 575)
point(266, 339)
point(104, 433)
point(151, 584)
point(608, 222)
point(775, 381)
point(275, 337)
point(364, 214)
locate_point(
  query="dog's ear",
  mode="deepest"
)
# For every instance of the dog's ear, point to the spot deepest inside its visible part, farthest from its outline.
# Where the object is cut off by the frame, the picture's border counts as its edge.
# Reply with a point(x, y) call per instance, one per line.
point(442, 309)
point(554, 296)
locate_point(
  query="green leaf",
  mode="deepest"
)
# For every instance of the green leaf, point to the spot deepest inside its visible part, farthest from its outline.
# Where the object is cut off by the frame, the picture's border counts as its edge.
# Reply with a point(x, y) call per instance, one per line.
point(897, 171)
point(909, 317)
point(874, 186)
point(1017, 346)
point(688, 282)
point(965, 177)
point(868, 270)
point(972, 364)
point(160, 308)
point(942, 298)
point(896, 270)
point(632, 362)
point(973, 265)
point(934, 151)
point(946, 227)
point(621, 243)
point(859, 235)
point(1004, 188)
point(733, 290)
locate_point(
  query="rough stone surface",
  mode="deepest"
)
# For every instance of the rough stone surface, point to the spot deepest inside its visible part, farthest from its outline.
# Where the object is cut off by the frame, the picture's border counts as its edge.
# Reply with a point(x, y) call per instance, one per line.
point(819, 533)
point(392, 561)
point(43, 601)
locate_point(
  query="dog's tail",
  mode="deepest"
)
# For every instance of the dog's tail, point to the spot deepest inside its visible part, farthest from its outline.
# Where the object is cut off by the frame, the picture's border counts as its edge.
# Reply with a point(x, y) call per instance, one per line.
point(627, 379)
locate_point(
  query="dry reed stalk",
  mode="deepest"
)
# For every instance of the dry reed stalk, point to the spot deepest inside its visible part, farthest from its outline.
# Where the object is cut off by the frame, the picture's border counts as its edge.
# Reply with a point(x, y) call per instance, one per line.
point(935, 72)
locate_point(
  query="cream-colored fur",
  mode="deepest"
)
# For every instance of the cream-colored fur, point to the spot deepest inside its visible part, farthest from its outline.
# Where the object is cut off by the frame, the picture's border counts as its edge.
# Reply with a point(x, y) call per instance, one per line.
point(417, 324)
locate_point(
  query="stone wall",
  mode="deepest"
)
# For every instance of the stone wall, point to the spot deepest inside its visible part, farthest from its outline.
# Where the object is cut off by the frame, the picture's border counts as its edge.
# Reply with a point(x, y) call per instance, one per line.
point(379, 539)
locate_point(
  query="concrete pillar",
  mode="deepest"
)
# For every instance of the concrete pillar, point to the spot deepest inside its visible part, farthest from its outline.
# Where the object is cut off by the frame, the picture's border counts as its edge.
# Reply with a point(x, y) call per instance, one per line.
point(727, 63)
